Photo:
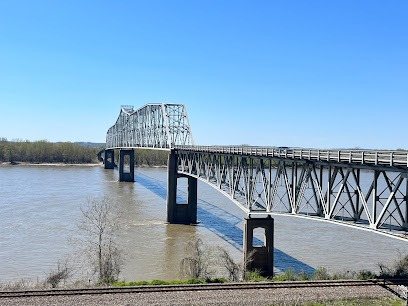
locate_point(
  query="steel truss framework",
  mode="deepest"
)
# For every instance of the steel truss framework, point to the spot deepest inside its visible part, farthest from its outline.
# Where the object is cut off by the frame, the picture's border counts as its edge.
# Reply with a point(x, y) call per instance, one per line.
point(158, 126)
point(367, 193)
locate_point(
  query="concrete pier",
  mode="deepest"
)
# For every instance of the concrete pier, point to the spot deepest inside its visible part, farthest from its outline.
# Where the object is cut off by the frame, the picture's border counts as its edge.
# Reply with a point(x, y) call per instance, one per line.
point(180, 213)
point(109, 159)
point(127, 173)
point(259, 257)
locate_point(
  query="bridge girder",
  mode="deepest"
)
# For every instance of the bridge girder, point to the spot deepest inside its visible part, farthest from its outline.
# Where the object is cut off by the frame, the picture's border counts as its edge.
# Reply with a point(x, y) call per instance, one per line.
point(370, 196)
point(158, 126)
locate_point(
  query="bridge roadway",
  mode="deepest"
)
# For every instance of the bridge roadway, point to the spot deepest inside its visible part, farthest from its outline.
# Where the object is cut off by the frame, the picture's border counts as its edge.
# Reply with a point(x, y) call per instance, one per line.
point(363, 188)
point(365, 158)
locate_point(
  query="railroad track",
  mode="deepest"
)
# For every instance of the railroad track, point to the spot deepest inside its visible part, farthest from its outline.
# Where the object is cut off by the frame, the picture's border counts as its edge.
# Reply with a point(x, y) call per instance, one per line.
point(197, 287)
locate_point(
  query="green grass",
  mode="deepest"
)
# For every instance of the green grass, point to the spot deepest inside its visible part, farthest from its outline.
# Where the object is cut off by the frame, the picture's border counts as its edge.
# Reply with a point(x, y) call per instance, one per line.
point(255, 276)
point(158, 282)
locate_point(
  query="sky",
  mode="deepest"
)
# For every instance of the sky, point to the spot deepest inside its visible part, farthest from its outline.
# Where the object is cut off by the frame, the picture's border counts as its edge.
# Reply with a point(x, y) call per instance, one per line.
point(317, 74)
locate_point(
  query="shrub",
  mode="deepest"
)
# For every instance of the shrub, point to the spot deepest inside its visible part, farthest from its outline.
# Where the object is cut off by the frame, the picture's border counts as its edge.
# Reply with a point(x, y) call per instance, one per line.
point(288, 275)
point(365, 274)
point(302, 276)
point(218, 280)
point(401, 268)
point(62, 273)
point(321, 274)
point(254, 276)
point(195, 281)
point(157, 282)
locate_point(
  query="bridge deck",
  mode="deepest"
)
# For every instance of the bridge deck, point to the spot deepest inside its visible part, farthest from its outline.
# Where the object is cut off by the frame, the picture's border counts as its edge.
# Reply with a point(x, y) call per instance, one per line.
point(362, 157)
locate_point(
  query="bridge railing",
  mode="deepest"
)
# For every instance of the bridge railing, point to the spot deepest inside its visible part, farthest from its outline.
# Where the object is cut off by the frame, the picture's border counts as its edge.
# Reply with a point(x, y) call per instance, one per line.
point(364, 157)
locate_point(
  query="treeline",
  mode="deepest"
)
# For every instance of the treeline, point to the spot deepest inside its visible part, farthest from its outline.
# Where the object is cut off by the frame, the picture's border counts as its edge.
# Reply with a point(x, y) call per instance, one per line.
point(149, 158)
point(43, 151)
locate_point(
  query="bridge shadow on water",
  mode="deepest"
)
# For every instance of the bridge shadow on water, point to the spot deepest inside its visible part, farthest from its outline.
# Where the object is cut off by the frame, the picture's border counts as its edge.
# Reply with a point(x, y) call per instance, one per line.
point(223, 224)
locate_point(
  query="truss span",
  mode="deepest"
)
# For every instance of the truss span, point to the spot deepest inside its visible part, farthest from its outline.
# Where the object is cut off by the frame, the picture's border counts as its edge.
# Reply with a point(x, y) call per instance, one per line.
point(158, 126)
point(364, 188)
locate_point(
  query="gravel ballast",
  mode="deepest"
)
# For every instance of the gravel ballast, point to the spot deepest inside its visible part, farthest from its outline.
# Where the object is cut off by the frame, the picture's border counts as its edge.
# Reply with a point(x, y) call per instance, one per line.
point(275, 296)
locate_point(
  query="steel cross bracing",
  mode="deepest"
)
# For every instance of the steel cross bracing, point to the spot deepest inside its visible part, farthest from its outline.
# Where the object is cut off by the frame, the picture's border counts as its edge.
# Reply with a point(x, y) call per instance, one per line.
point(158, 126)
point(366, 188)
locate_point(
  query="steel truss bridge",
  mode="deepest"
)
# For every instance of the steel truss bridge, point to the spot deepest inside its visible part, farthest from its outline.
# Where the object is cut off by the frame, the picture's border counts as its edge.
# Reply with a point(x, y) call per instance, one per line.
point(154, 126)
point(363, 188)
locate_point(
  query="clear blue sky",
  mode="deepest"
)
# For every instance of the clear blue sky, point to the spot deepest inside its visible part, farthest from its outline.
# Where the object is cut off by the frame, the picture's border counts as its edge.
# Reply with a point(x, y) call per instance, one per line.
point(287, 73)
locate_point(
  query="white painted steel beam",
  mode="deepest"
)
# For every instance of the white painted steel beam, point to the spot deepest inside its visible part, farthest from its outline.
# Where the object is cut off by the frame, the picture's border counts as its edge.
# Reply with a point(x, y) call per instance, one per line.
point(155, 126)
point(264, 182)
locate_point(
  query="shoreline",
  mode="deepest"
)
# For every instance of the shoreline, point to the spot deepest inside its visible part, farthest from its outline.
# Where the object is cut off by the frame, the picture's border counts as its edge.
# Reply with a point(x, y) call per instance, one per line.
point(13, 164)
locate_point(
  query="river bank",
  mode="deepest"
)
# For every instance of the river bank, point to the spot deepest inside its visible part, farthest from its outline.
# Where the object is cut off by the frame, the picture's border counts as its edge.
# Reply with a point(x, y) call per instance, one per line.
point(11, 164)
point(73, 165)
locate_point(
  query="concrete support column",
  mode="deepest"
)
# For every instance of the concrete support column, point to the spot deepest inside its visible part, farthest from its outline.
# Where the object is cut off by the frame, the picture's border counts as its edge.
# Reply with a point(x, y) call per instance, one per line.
point(126, 174)
point(180, 213)
point(171, 186)
point(192, 200)
point(109, 159)
point(259, 257)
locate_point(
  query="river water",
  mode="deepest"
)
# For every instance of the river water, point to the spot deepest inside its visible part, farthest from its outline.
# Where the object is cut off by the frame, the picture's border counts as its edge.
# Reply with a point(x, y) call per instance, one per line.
point(40, 207)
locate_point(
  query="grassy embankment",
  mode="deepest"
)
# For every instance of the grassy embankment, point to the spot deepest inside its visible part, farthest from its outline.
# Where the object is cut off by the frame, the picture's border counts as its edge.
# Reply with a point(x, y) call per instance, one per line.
point(397, 270)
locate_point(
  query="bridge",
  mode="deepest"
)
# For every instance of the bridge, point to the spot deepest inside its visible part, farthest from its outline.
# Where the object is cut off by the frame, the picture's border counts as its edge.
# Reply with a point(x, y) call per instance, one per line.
point(361, 188)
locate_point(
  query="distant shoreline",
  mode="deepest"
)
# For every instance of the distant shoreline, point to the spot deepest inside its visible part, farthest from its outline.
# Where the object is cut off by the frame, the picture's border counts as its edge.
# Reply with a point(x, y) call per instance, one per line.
point(13, 164)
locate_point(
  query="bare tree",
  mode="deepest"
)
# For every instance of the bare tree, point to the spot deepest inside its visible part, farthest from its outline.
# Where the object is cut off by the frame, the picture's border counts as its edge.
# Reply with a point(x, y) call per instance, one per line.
point(197, 264)
point(62, 273)
point(234, 270)
point(248, 263)
point(98, 226)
